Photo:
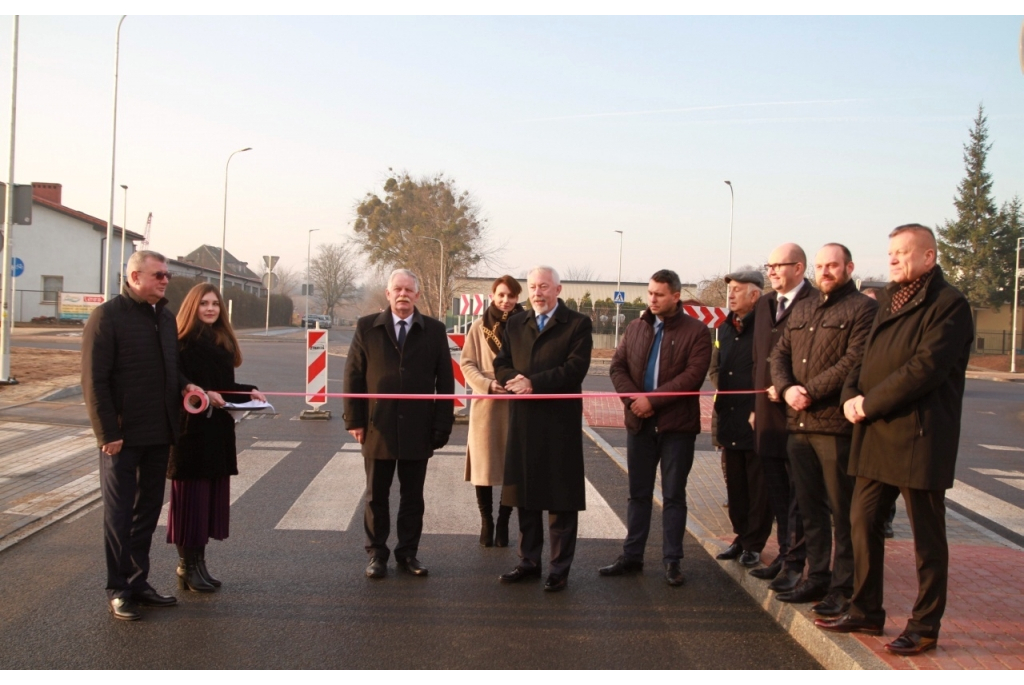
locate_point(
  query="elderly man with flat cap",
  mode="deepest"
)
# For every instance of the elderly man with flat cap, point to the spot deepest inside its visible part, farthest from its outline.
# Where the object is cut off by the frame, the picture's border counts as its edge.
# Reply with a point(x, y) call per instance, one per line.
point(732, 369)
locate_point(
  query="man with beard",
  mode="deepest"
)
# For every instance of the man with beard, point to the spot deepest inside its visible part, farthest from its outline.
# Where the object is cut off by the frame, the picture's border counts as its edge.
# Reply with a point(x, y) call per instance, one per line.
point(822, 344)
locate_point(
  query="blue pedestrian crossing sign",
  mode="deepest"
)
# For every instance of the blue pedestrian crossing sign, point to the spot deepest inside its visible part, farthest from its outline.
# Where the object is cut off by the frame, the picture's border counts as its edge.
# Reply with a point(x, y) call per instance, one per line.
point(620, 297)
point(18, 266)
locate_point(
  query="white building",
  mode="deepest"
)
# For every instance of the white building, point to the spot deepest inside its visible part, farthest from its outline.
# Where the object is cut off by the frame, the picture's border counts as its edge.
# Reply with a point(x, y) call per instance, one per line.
point(62, 251)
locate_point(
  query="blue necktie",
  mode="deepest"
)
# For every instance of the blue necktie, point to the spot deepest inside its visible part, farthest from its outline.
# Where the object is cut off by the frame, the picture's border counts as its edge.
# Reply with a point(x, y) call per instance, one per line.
point(650, 382)
point(542, 321)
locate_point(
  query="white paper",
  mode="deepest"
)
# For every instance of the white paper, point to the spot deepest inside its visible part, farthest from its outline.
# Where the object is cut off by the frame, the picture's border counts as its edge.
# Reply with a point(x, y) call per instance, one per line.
point(251, 405)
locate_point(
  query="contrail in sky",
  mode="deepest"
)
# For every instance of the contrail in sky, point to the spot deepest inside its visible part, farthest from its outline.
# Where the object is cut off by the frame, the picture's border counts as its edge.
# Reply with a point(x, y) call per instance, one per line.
point(681, 110)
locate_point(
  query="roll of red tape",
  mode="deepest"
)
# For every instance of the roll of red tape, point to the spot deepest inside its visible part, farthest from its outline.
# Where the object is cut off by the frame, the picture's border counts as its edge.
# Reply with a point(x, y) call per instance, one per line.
point(196, 402)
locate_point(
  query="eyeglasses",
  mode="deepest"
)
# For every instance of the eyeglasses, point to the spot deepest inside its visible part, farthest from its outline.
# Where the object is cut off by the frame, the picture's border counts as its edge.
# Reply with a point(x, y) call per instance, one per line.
point(776, 267)
point(161, 275)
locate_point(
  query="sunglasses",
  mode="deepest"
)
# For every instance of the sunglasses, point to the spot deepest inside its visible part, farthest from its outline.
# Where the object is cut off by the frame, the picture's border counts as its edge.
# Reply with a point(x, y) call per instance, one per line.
point(161, 275)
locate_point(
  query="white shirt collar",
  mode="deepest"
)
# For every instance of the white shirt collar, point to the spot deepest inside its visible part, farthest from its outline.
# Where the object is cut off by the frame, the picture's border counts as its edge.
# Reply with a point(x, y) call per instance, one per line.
point(791, 295)
point(408, 320)
point(550, 312)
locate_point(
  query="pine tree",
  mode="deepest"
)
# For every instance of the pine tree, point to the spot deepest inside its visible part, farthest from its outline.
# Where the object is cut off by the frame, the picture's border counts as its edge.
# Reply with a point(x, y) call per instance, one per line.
point(977, 249)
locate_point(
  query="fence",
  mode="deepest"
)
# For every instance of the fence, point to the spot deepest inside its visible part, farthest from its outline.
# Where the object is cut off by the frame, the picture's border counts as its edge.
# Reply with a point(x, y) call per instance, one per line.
point(997, 342)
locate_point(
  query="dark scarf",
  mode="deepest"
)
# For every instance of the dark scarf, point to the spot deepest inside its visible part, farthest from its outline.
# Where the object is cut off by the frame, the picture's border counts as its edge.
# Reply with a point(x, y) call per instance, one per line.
point(906, 292)
point(494, 320)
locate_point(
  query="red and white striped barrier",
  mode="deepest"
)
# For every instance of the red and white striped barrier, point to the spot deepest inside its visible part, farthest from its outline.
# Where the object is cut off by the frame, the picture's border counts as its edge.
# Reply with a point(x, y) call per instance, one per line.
point(316, 368)
point(460, 379)
point(473, 305)
point(712, 317)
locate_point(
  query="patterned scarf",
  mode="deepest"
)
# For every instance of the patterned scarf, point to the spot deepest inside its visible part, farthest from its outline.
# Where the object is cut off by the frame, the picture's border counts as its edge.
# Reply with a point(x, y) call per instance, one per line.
point(906, 292)
point(737, 323)
point(494, 319)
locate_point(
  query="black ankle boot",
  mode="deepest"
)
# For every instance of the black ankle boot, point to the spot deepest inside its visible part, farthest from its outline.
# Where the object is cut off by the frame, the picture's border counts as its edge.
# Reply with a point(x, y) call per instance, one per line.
point(501, 530)
point(202, 568)
point(189, 576)
point(485, 501)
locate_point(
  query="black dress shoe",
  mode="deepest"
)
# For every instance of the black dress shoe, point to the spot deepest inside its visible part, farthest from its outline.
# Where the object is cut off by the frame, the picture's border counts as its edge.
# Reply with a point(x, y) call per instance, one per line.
point(786, 581)
point(556, 582)
point(124, 608)
point(750, 559)
point(413, 566)
point(803, 593)
point(888, 533)
point(848, 624)
point(520, 573)
point(378, 568)
point(673, 574)
point(151, 598)
point(768, 572)
point(622, 566)
point(731, 552)
point(834, 604)
point(909, 644)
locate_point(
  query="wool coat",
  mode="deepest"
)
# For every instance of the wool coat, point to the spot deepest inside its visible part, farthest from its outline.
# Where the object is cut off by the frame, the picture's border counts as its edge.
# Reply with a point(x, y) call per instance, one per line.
point(400, 429)
point(732, 368)
point(130, 377)
point(770, 434)
point(206, 445)
point(488, 419)
point(683, 362)
point(544, 452)
point(912, 379)
point(822, 343)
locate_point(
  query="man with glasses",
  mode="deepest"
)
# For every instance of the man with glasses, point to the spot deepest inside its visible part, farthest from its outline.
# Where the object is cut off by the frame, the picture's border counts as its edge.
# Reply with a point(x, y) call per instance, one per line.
point(133, 389)
point(786, 266)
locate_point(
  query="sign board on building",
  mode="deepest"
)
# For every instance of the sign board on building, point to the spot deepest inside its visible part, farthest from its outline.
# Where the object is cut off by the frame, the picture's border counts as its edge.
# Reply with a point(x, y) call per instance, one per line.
point(78, 306)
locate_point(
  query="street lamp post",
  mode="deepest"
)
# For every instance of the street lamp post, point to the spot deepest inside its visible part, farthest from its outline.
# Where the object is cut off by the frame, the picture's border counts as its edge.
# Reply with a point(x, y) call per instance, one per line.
point(618, 287)
point(6, 269)
point(124, 228)
point(440, 284)
point(113, 159)
point(732, 203)
point(309, 242)
point(1016, 295)
point(224, 228)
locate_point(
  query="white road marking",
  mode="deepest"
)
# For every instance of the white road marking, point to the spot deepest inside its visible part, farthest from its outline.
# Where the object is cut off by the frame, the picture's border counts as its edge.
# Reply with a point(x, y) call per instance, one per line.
point(332, 497)
point(992, 508)
point(48, 502)
point(1015, 482)
point(999, 472)
point(1002, 448)
point(275, 444)
point(599, 521)
point(252, 465)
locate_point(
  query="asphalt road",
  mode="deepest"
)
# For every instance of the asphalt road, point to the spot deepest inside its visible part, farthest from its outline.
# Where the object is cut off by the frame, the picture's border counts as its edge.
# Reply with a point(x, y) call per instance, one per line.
point(295, 598)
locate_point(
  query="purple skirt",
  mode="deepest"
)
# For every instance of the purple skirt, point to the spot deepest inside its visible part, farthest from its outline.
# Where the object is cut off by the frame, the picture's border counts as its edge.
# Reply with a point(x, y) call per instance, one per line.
point(199, 510)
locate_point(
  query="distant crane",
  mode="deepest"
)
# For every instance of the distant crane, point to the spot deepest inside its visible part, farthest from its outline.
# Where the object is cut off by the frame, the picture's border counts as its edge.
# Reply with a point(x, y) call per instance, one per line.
point(145, 236)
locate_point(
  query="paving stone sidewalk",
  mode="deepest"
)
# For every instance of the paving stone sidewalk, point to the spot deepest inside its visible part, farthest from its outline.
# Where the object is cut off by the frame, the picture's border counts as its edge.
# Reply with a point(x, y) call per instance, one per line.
point(983, 627)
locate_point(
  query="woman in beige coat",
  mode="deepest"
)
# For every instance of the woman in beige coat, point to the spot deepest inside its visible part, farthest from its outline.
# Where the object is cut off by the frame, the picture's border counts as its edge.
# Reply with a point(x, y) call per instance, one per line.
point(488, 419)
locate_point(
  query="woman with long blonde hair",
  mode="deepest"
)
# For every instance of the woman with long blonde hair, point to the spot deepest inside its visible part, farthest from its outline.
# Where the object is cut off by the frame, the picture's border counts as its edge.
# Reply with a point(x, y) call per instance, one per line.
point(204, 458)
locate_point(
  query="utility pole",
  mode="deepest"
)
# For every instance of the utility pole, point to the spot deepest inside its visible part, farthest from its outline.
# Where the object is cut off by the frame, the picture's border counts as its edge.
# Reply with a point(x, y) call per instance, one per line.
point(7, 272)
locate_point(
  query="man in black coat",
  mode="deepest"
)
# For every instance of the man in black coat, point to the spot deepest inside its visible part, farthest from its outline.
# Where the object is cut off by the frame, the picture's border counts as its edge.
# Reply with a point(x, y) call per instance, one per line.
point(133, 393)
point(905, 400)
point(732, 366)
point(786, 267)
point(545, 351)
point(822, 343)
point(398, 351)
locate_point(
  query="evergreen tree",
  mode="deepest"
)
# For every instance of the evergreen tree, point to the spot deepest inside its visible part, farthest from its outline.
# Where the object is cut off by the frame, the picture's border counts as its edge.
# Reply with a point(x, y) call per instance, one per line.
point(977, 249)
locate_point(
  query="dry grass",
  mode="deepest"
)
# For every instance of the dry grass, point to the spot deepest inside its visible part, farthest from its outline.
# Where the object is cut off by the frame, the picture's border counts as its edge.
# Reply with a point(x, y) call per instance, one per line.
point(31, 365)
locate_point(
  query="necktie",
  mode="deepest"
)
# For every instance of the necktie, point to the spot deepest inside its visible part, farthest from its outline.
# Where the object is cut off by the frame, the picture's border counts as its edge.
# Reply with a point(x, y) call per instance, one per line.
point(542, 321)
point(401, 335)
point(650, 382)
point(782, 308)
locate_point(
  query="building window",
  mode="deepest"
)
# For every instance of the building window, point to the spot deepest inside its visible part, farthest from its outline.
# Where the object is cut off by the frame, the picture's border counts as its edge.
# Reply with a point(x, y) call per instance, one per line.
point(52, 287)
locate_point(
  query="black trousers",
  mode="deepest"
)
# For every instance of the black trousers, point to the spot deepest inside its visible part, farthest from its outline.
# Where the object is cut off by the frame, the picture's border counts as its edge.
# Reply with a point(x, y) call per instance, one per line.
point(789, 522)
point(824, 491)
point(377, 520)
point(132, 485)
point(926, 510)
point(748, 499)
point(562, 529)
point(644, 452)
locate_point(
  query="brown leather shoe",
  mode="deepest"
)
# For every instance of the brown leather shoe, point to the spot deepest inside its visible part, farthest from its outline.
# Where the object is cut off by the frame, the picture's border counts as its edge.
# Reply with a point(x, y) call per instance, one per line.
point(909, 644)
point(848, 624)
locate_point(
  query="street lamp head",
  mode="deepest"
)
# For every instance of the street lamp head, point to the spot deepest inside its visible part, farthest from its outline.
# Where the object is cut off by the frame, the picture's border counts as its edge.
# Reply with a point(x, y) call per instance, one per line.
point(728, 183)
point(619, 232)
point(124, 187)
point(245, 149)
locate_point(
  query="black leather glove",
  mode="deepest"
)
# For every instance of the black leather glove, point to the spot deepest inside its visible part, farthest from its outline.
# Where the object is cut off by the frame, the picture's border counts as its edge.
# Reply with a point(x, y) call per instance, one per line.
point(439, 440)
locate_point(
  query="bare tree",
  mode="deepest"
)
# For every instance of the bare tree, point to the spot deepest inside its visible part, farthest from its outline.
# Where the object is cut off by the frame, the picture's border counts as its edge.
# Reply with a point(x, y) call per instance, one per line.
point(580, 272)
point(333, 273)
point(288, 280)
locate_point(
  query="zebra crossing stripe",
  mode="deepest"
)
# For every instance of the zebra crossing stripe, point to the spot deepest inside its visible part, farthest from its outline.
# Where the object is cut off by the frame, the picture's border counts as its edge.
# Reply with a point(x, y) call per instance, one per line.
point(331, 498)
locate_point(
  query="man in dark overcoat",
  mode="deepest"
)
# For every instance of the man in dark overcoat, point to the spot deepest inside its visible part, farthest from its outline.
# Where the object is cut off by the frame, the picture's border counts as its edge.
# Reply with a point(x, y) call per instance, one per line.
point(545, 351)
point(905, 401)
point(398, 351)
point(133, 388)
point(786, 267)
point(732, 370)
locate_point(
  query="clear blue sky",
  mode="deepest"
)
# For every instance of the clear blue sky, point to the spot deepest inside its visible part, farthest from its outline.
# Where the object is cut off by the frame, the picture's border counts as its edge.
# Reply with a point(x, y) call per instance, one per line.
point(563, 129)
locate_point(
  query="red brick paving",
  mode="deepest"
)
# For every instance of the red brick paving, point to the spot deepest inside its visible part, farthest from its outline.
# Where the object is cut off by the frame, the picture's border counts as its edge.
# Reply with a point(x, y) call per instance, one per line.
point(606, 412)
